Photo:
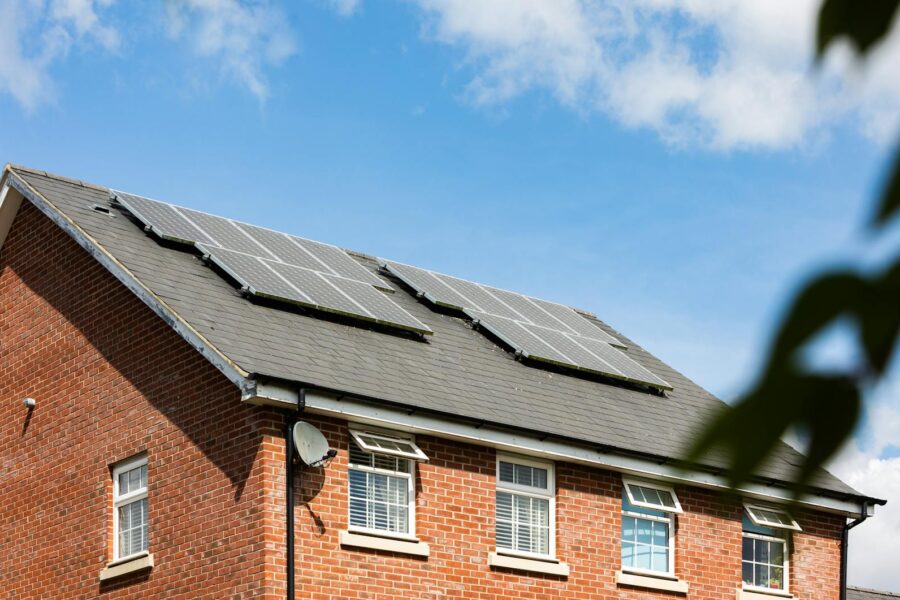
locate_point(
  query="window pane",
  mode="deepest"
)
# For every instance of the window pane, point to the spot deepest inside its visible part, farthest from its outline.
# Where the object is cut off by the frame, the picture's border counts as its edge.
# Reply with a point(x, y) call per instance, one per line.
point(666, 499)
point(505, 535)
point(358, 483)
point(762, 551)
point(134, 479)
point(627, 554)
point(776, 578)
point(651, 496)
point(747, 551)
point(507, 471)
point(144, 476)
point(776, 553)
point(660, 559)
point(747, 573)
point(358, 512)
point(761, 575)
point(660, 534)
point(628, 529)
point(638, 493)
point(358, 457)
point(642, 558)
point(644, 531)
point(123, 483)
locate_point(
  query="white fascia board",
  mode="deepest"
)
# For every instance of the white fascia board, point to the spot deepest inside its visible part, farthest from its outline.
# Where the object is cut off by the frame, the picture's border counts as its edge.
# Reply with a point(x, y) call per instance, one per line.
point(487, 435)
point(232, 371)
point(10, 201)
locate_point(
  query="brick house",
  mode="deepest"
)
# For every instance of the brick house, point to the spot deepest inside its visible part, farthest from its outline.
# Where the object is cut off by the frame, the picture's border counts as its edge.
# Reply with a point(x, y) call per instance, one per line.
point(487, 445)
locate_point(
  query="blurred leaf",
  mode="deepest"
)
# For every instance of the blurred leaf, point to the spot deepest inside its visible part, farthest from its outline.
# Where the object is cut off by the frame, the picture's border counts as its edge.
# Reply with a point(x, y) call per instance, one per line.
point(821, 302)
point(864, 22)
point(890, 196)
point(879, 319)
point(750, 430)
point(831, 412)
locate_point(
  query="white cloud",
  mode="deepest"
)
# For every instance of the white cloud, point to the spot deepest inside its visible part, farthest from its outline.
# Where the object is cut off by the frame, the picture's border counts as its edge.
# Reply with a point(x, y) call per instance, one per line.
point(36, 34)
point(242, 37)
point(721, 73)
point(345, 8)
point(871, 466)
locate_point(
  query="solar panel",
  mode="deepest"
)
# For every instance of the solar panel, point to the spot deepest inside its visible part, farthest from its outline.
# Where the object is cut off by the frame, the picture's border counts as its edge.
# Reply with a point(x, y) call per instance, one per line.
point(534, 328)
point(276, 265)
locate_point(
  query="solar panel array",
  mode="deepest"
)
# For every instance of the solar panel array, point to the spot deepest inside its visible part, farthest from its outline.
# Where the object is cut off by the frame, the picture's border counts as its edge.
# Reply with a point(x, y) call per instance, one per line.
point(275, 265)
point(536, 329)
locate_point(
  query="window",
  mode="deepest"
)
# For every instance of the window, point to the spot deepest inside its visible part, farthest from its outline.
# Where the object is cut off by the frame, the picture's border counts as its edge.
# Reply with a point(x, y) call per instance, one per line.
point(525, 507)
point(770, 517)
point(648, 521)
point(386, 444)
point(382, 484)
point(764, 560)
point(130, 508)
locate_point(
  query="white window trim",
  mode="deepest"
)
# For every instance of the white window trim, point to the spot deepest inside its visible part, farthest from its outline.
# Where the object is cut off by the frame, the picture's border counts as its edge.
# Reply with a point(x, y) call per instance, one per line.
point(524, 490)
point(410, 477)
point(127, 465)
point(416, 455)
point(670, 520)
point(787, 563)
point(628, 482)
point(750, 508)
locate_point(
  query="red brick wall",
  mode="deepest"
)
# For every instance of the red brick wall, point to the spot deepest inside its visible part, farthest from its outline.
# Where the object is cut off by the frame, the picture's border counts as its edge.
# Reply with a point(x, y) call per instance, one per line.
point(455, 516)
point(112, 380)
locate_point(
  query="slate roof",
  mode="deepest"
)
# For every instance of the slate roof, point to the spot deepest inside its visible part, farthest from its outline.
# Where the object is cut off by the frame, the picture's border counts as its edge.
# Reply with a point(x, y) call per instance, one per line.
point(457, 371)
point(856, 593)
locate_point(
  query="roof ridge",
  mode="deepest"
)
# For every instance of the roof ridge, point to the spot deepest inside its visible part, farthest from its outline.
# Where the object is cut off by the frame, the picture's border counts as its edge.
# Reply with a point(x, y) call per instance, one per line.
point(86, 184)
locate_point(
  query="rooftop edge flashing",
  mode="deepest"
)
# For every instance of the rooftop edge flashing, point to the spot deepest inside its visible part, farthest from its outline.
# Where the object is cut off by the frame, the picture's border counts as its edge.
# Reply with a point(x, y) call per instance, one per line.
point(228, 368)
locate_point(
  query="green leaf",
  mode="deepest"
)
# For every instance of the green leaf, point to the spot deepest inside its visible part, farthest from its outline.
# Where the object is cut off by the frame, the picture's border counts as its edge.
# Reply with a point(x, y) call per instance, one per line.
point(831, 412)
point(751, 429)
point(890, 196)
point(821, 302)
point(879, 319)
point(864, 22)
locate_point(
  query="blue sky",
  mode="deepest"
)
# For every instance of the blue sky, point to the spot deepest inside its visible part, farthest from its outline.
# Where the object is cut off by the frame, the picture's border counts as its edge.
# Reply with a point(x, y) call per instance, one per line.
point(678, 180)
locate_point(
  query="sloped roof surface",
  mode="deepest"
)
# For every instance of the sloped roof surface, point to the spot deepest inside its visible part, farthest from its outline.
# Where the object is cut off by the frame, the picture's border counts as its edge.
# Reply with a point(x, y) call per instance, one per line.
point(855, 593)
point(456, 371)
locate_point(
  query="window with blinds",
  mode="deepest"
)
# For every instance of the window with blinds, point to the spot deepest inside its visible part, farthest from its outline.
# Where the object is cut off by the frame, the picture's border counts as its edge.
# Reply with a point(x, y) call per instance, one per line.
point(525, 505)
point(130, 522)
point(382, 492)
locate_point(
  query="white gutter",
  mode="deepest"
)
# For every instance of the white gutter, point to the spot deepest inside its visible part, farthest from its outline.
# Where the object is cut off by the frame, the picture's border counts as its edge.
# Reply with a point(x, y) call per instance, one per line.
point(523, 443)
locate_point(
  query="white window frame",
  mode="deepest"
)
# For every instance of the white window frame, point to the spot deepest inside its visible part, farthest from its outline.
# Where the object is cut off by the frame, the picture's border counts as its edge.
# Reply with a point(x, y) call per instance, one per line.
point(359, 436)
point(524, 490)
point(786, 568)
point(410, 477)
point(628, 482)
point(757, 520)
point(670, 521)
point(118, 501)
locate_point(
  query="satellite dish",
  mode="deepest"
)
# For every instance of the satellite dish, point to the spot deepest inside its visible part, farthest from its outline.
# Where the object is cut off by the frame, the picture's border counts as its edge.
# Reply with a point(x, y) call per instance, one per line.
point(311, 445)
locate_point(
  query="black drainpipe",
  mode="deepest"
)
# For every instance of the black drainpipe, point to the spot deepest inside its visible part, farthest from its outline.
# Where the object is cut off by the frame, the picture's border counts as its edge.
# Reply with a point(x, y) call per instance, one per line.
point(845, 539)
point(290, 420)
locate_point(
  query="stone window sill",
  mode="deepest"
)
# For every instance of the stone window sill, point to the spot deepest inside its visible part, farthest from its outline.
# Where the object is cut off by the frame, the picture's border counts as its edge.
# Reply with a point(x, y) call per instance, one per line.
point(132, 564)
point(762, 594)
point(386, 544)
point(665, 584)
point(547, 567)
